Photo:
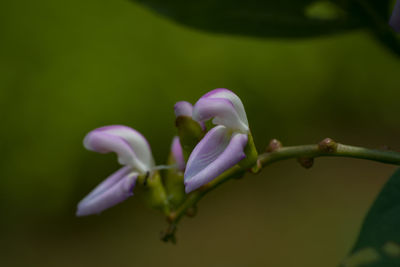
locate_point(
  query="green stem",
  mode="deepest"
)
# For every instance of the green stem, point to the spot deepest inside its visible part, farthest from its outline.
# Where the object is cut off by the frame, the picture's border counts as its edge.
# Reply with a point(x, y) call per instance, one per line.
point(194, 197)
point(314, 151)
point(327, 148)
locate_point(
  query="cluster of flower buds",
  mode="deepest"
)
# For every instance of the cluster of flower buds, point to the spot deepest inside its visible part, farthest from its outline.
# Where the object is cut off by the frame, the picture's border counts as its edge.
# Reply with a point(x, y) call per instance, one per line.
point(199, 154)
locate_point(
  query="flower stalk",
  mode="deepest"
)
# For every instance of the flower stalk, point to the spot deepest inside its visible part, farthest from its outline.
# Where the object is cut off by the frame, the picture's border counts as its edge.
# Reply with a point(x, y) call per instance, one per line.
point(201, 158)
point(155, 193)
point(326, 148)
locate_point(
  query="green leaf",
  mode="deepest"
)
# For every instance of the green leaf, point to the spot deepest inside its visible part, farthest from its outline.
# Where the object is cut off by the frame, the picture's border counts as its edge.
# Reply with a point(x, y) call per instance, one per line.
point(267, 18)
point(379, 241)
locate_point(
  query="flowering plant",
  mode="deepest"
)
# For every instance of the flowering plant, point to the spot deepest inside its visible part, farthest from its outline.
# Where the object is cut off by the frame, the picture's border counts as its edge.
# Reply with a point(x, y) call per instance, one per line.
point(213, 145)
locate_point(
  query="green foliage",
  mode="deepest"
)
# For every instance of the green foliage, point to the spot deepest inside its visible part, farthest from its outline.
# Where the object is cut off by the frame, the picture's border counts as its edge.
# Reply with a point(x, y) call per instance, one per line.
point(284, 18)
point(379, 241)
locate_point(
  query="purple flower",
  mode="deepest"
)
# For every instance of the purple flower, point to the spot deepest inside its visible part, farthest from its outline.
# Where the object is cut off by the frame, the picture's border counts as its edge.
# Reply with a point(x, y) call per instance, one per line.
point(133, 152)
point(395, 19)
point(177, 154)
point(223, 146)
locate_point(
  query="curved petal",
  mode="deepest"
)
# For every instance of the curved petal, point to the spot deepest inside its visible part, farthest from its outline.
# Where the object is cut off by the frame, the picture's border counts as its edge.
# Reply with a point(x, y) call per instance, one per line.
point(115, 189)
point(177, 153)
point(215, 153)
point(233, 98)
point(395, 18)
point(183, 108)
point(131, 147)
point(105, 143)
point(225, 107)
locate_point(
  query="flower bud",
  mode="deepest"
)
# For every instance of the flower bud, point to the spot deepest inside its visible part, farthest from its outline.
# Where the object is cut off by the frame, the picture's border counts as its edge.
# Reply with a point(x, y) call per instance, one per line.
point(190, 133)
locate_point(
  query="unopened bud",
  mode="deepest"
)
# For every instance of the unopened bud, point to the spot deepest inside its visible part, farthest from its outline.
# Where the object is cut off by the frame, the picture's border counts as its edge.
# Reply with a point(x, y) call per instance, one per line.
point(274, 145)
point(190, 133)
point(306, 162)
point(327, 145)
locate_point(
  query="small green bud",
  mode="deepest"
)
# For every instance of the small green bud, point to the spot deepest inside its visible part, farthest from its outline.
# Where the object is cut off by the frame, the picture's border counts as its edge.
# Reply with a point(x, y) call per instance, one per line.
point(274, 145)
point(190, 133)
point(327, 145)
point(306, 162)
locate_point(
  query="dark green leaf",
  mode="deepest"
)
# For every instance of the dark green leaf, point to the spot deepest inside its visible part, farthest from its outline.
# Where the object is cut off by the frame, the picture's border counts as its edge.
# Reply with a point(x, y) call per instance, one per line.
point(284, 18)
point(379, 241)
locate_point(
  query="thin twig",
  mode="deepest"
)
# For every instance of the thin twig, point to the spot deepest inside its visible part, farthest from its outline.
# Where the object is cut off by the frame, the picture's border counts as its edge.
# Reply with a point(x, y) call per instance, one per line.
point(326, 148)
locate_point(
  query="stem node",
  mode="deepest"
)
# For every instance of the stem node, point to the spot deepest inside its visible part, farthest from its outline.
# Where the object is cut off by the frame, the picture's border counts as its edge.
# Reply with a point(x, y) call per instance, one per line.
point(306, 162)
point(274, 145)
point(327, 145)
point(305, 154)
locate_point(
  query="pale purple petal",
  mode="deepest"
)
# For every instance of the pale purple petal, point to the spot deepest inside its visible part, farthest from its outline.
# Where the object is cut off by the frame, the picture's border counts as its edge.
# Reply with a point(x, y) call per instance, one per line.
point(183, 108)
point(177, 153)
point(395, 19)
point(131, 147)
point(218, 151)
point(115, 189)
point(108, 182)
point(104, 143)
point(233, 98)
point(225, 107)
point(223, 112)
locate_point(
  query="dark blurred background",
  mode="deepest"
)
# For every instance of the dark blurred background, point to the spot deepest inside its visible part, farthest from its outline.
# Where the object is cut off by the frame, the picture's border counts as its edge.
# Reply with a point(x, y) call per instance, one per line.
point(67, 67)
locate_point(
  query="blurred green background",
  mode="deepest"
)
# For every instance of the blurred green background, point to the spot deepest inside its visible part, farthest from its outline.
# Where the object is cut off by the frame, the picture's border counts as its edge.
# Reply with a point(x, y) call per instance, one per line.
point(67, 67)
